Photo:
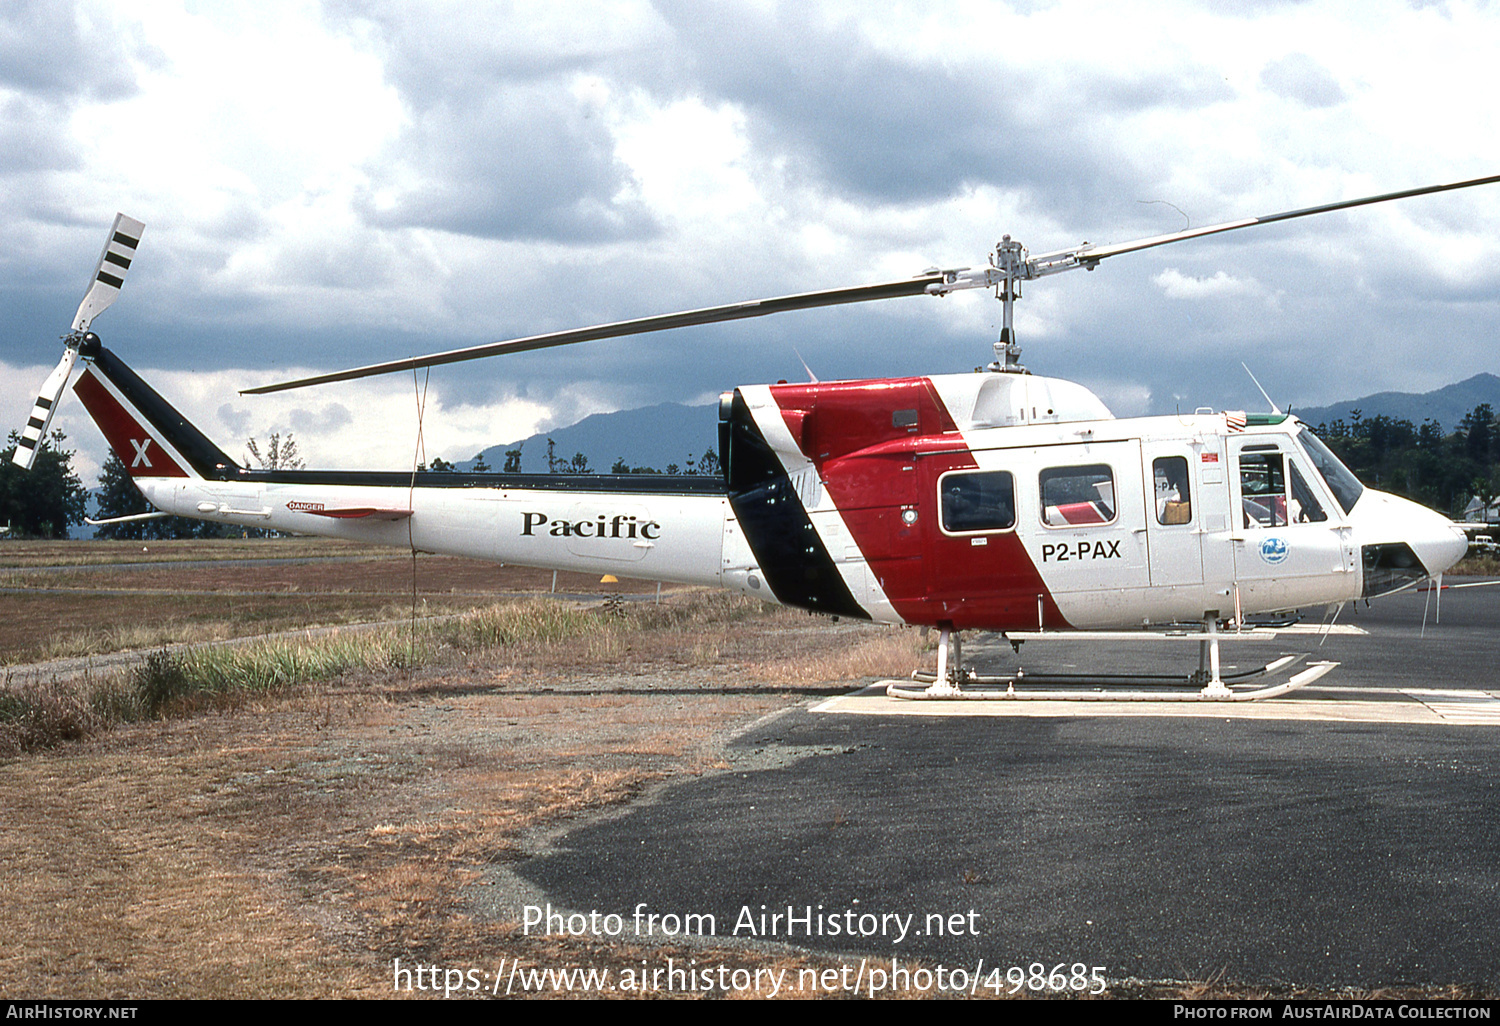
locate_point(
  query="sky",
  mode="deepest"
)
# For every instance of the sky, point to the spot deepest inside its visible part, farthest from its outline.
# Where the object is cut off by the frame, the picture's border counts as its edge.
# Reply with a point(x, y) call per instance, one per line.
point(331, 184)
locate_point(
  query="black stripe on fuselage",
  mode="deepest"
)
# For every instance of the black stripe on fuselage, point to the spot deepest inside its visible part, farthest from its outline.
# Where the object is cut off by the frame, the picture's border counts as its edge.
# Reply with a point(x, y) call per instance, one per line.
point(787, 548)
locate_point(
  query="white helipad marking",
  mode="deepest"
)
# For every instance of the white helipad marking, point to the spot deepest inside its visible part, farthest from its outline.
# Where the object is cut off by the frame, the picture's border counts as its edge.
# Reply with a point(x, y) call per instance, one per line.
point(1481, 707)
point(1196, 636)
point(1312, 628)
point(1373, 705)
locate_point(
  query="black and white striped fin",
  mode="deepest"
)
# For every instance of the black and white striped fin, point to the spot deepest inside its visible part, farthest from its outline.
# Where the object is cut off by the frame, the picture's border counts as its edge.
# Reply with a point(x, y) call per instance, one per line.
point(104, 286)
point(109, 275)
point(41, 413)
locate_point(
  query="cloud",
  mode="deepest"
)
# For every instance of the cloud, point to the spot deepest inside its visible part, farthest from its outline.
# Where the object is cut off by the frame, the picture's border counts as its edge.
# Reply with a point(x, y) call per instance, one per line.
point(335, 183)
point(325, 421)
point(65, 51)
point(524, 161)
point(237, 421)
point(1177, 285)
point(1298, 77)
point(898, 127)
point(500, 143)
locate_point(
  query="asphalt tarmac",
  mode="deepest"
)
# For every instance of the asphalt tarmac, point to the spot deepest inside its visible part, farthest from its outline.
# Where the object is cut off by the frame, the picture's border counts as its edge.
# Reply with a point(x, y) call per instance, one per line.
point(1350, 840)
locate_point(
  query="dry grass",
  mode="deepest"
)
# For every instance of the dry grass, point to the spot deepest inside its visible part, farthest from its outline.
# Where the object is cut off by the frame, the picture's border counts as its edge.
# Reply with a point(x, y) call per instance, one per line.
point(175, 620)
point(1476, 566)
point(29, 553)
point(82, 612)
point(694, 629)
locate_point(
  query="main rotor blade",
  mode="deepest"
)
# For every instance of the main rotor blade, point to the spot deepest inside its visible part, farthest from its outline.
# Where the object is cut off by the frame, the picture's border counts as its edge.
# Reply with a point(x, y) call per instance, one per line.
point(661, 322)
point(1089, 254)
point(109, 273)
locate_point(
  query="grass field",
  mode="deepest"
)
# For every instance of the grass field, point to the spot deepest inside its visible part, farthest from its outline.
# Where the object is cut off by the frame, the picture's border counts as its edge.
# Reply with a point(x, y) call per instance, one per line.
point(60, 599)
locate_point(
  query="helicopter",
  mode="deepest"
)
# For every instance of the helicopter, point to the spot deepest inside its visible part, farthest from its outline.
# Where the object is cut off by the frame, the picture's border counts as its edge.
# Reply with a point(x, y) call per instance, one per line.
point(993, 501)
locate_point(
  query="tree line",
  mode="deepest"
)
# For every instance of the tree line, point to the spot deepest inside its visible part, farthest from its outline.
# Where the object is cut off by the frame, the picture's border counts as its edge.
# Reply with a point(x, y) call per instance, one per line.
point(1419, 461)
point(706, 465)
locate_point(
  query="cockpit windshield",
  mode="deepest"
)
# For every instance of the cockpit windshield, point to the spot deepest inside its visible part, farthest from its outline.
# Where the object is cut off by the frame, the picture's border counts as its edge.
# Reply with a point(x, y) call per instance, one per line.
point(1344, 485)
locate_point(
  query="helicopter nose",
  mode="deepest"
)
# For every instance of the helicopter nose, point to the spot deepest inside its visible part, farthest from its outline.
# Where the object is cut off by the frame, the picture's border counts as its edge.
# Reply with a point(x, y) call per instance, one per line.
point(1402, 543)
point(1446, 548)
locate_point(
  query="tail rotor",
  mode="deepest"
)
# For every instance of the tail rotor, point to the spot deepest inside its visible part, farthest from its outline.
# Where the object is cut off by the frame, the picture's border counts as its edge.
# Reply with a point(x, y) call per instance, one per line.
point(109, 275)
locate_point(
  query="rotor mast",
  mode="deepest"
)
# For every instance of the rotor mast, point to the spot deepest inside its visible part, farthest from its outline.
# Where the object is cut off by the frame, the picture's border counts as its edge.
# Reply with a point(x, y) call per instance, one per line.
point(1009, 258)
point(1010, 264)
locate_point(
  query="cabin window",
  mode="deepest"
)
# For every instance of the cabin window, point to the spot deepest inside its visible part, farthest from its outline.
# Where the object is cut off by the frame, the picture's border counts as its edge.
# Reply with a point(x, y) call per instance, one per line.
point(1263, 489)
point(1078, 496)
point(973, 502)
point(904, 419)
point(1174, 504)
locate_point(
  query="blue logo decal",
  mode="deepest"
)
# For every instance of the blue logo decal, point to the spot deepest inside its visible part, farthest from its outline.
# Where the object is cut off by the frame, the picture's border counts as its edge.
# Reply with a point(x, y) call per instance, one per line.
point(1273, 550)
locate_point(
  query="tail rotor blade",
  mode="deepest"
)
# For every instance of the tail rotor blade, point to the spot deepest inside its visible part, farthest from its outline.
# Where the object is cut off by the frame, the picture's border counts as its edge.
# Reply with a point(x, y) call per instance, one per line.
point(104, 286)
point(109, 275)
point(41, 413)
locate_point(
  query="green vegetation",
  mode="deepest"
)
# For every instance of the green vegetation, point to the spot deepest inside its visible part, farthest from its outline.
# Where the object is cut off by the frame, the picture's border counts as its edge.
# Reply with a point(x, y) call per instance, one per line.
point(1420, 462)
point(43, 501)
point(172, 683)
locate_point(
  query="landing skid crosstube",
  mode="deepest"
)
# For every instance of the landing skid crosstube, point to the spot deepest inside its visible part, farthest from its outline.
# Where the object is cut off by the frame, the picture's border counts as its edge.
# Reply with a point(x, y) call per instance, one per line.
point(1208, 684)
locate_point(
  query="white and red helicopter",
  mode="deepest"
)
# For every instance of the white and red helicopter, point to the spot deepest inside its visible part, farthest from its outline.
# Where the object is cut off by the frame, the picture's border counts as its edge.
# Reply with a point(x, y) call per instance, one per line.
point(996, 501)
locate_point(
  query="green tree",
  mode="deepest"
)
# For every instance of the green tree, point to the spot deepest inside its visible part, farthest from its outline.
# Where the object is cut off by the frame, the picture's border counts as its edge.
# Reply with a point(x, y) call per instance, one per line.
point(280, 454)
point(43, 501)
point(480, 466)
point(621, 467)
point(709, 464)
point(512, 461)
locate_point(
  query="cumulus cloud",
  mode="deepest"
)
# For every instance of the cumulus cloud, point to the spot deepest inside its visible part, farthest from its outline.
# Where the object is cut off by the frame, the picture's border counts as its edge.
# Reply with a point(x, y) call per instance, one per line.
point(67, 50)
point(1299, 77)
point(1177, 285)
point(498, 142)
point(900, 127)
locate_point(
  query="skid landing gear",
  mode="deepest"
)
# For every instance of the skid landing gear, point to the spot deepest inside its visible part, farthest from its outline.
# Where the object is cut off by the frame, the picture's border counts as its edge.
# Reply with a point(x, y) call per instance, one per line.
point(954, 681)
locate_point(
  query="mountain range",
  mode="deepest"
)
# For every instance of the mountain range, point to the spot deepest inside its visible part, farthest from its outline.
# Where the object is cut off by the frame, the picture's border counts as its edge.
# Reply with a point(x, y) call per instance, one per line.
point(651, 436)
point(1447, 405)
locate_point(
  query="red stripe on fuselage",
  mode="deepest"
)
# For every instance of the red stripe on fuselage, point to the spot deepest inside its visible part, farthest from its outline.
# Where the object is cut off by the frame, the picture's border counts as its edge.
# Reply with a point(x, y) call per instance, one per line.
point(880, 447)
point(132, 443)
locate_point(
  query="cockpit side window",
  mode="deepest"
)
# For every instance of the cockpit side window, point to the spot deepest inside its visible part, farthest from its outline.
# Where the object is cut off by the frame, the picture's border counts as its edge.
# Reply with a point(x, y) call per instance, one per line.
point(1305, 507)
point(1344, 485)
